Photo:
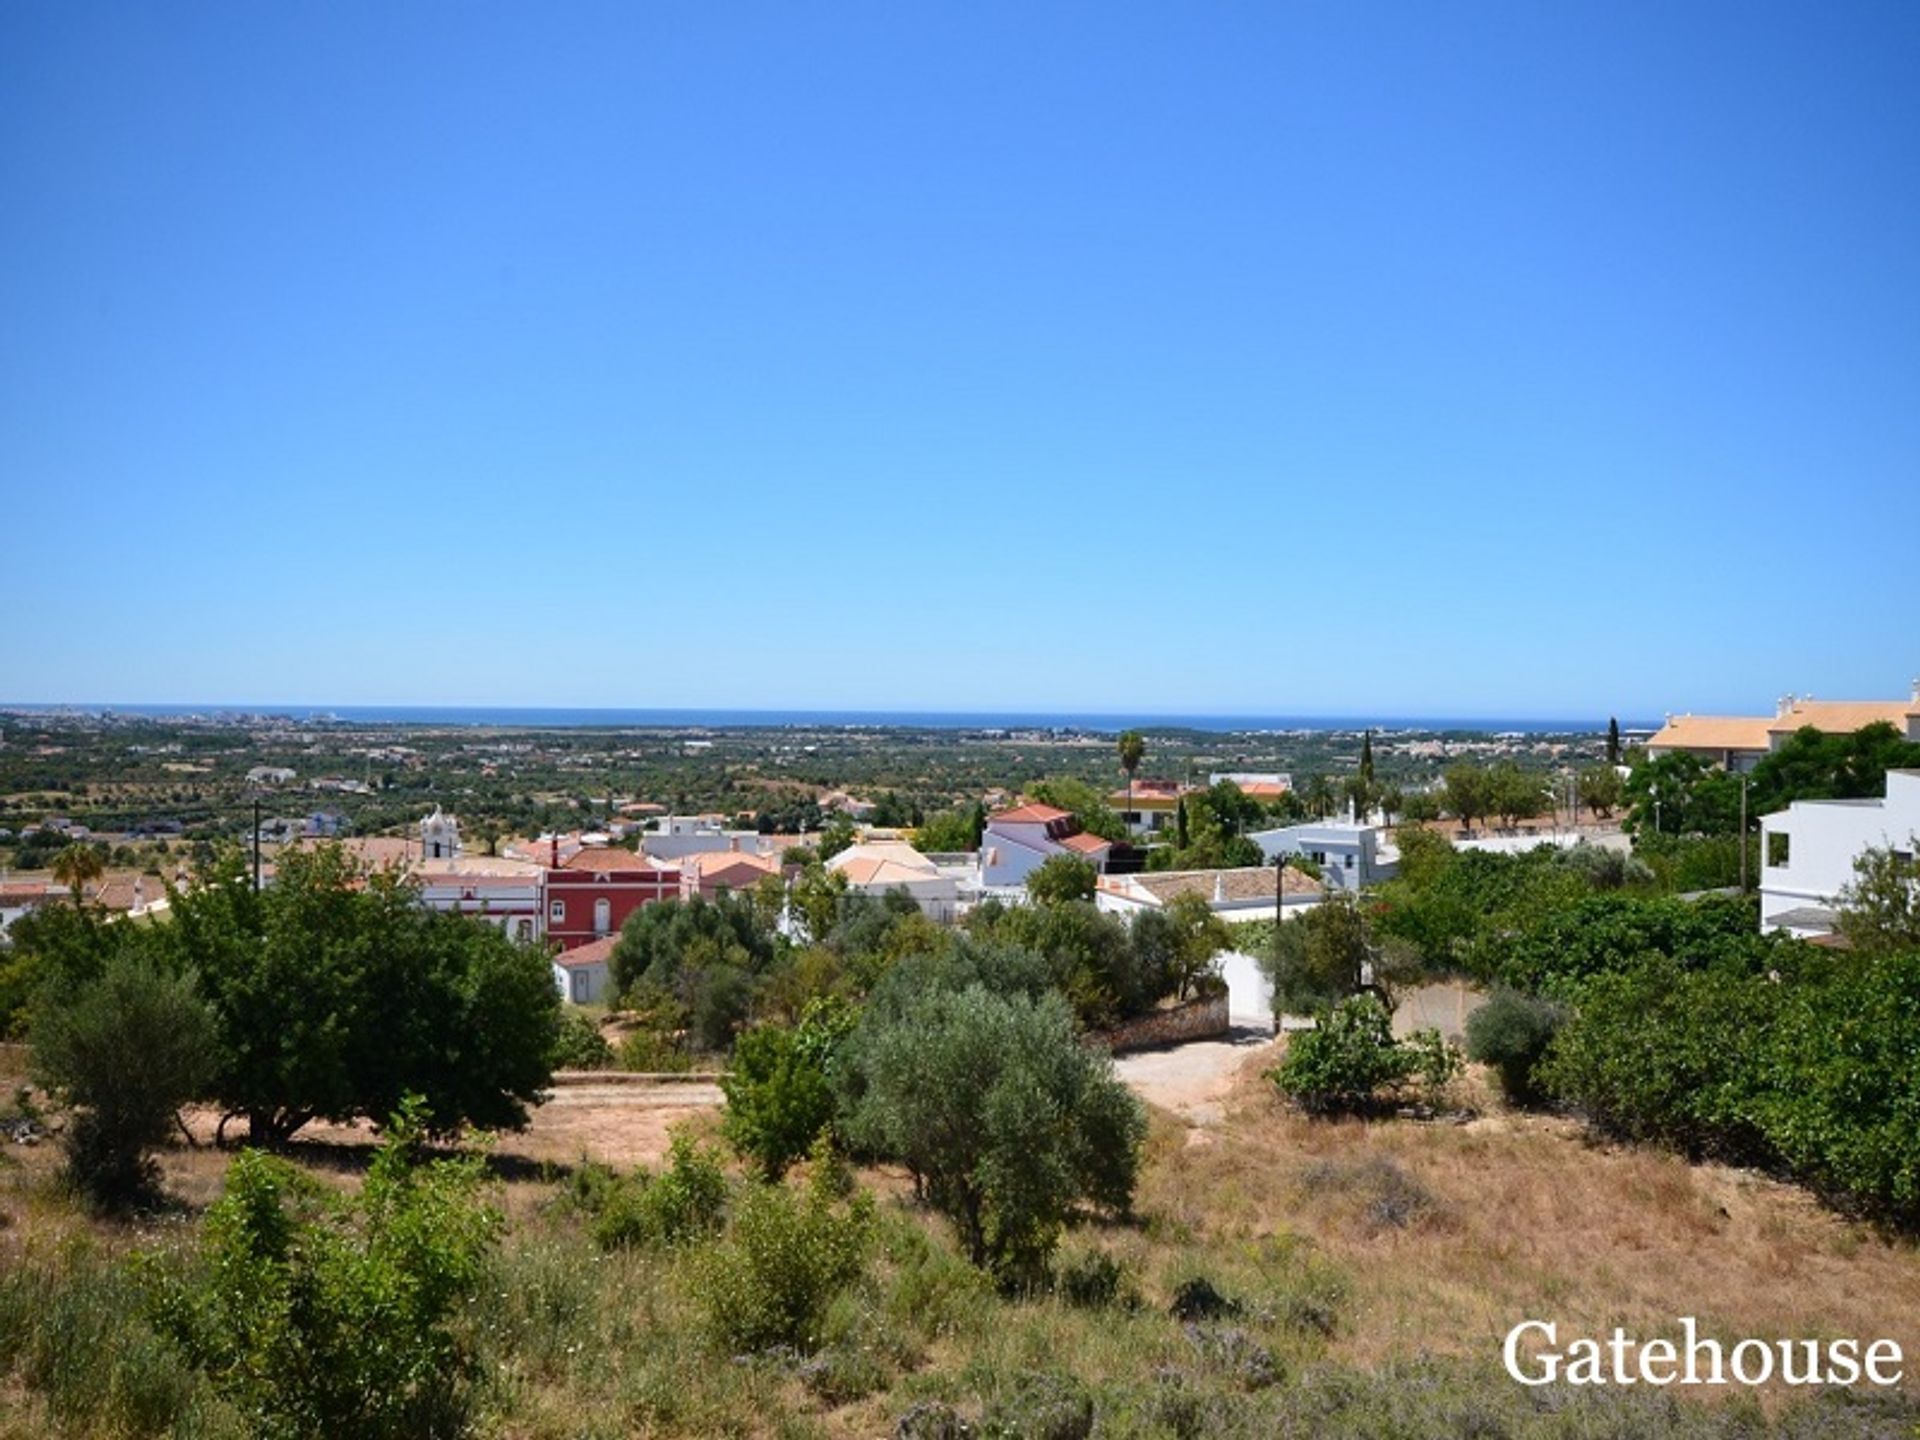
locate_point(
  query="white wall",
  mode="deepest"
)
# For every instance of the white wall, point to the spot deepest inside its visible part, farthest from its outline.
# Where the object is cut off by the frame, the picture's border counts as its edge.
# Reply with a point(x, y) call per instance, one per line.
point(1824, 837)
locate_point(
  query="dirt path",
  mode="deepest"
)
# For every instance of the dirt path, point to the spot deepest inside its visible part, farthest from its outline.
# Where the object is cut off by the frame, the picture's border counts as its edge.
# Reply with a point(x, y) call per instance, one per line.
point(1193, 1080)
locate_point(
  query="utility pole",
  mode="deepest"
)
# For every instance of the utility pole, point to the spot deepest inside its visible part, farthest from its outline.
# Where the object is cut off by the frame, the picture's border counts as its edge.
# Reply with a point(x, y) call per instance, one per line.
point(1279, 888)
point(256, 844)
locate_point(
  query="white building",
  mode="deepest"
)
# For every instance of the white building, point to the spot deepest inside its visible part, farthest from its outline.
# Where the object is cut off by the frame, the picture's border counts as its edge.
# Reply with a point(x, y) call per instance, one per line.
point(504, 892)
point(880, 866)
point(1807, 851)
point(1347, 852)
point(679, 836)
point(583, 974)
point(1018, 841)
point(1243, 893)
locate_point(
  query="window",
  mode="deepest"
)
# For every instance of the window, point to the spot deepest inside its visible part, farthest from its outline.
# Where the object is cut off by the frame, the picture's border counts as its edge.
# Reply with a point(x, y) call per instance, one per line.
point(523, 930)
point(602, 916)
point(557, 913)
point(1347, 860)
point(1777, 848)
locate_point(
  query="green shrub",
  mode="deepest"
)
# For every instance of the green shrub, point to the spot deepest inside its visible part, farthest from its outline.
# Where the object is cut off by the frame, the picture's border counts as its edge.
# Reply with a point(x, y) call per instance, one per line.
point(579, 1045)
point(1511, 1033)
point(1094, 1280)
point(779, 1096)
point(126, 1049)
point(1657, 1052)
point(786, 1255)
point(682, 1203)
point(319, 1316)
point(1350, 1062)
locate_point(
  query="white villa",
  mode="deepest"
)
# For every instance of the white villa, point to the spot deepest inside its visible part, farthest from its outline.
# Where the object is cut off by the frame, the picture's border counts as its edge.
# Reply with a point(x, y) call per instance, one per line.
point(1807, 851)
point(1348, 853)
point(1019, 840)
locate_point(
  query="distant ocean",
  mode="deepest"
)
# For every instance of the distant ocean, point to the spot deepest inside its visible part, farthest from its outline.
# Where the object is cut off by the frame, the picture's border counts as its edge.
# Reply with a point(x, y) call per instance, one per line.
point(507, 717)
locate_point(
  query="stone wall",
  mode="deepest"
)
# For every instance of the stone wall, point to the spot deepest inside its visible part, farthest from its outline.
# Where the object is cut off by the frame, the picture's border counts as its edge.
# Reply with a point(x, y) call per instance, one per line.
point(1196, 1020)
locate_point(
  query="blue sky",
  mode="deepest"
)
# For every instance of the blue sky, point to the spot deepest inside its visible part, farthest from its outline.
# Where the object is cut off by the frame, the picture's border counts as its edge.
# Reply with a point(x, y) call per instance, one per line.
point(1397, 358)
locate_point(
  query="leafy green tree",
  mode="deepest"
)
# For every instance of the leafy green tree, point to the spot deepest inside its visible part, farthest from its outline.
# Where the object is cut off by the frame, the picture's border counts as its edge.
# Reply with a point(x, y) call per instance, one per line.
point(1467, 793)
point(1515, 794)
point(1681, 794)
point(838, 834)
point(1060, 878)
point(126, 1049)
point(1812, 765)
point(1004, 1118)
point(951, 831)
point(1331, 953)
point(1199, 936)
point(1880, 909)
point(335, 994)
point(1601, 790)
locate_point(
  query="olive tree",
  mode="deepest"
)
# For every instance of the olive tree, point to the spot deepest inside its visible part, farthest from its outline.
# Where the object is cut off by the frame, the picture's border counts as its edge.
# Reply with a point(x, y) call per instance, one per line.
point(1004, 1118)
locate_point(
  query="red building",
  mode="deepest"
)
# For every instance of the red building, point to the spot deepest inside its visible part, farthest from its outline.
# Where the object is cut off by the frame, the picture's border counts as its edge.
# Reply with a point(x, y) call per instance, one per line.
point(592, 892)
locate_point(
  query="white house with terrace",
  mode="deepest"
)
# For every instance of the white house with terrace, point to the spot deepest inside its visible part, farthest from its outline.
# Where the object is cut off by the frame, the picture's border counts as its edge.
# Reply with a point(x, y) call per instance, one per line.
point(1018, 841)
point(1807, 852)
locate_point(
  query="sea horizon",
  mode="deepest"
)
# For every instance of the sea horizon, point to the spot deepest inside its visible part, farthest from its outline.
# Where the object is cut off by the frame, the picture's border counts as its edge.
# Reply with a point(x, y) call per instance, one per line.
point(723, 718)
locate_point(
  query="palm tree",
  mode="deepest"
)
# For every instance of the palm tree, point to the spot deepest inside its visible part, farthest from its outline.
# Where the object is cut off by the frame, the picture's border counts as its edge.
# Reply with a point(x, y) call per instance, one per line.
point(75, 866)
point(1133, 749)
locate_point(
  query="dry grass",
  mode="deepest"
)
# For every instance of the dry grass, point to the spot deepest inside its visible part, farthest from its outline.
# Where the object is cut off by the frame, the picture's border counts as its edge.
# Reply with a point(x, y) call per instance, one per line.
point(1524, 1218)
point(1361, 1245)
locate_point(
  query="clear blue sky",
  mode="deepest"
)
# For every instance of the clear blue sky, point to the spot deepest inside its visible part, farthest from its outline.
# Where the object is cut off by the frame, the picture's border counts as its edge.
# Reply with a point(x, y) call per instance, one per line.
point(1540, 359)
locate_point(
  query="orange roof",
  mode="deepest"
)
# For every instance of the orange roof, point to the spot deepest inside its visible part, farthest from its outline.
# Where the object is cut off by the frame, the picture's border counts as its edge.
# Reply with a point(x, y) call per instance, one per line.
point(594, 952)
point(1086, 844)
point(1711, 732)
point(609, 859)
point(1030, 814)
point(1262, 790)
point(1843, 717)
point(709, 864)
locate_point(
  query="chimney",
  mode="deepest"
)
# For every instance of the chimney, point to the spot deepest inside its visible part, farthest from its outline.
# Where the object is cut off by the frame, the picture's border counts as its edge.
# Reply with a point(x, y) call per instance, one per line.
point(1916, 690)
point(733, 844)
point(1784, 707)
point(553, 850)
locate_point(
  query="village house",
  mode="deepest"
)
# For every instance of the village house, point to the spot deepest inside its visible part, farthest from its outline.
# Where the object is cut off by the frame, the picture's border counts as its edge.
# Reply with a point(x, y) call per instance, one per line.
point(584, 974)
point(879, 866)
point(1151, 806)
point(1018, 841)
point(707, 873)
point(591, 892)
